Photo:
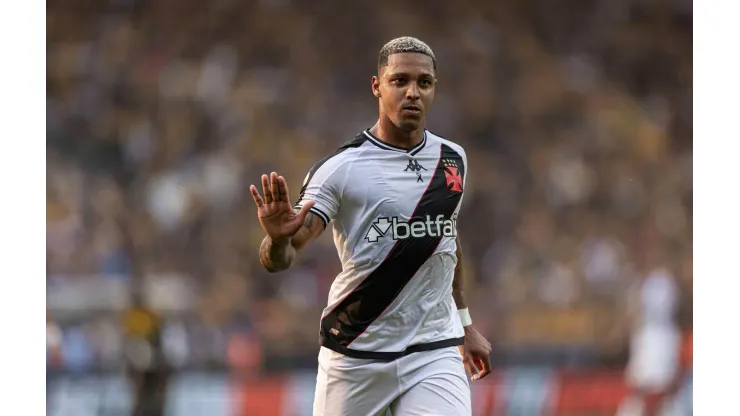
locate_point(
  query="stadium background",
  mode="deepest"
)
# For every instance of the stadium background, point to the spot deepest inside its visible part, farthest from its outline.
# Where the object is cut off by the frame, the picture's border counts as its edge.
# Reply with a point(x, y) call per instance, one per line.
point(576, 117)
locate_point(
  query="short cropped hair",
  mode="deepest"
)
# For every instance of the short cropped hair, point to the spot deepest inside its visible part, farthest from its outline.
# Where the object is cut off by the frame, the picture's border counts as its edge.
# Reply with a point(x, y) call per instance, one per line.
point(405, 44)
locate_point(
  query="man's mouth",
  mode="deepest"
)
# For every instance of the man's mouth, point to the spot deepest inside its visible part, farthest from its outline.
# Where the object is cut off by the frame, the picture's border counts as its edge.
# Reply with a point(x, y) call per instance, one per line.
point(412, 108)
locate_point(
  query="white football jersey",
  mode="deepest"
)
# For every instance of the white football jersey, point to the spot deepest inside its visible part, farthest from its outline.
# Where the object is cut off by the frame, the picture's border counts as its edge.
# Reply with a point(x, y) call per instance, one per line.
point(659, 298)
point(394, 215)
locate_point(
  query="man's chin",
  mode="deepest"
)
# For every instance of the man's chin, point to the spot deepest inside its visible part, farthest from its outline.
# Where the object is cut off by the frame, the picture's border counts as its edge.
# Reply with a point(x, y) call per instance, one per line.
point(409, 125)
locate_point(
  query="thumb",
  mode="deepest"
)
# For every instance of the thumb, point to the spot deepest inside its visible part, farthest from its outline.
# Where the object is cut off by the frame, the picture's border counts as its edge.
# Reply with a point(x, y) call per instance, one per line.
point(472, 368)
point(301, 216)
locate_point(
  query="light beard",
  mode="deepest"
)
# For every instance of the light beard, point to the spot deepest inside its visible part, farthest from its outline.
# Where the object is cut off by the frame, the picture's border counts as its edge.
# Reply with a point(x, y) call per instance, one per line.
point(409, 126)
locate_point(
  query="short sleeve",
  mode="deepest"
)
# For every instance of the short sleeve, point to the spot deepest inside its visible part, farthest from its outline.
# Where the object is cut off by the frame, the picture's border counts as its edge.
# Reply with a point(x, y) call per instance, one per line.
point(323, 185)
point(466, 171)
point(464, 157)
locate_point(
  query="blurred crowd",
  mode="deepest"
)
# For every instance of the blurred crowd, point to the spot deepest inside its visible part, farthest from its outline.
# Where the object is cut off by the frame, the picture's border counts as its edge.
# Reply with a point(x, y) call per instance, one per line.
point(576, 118)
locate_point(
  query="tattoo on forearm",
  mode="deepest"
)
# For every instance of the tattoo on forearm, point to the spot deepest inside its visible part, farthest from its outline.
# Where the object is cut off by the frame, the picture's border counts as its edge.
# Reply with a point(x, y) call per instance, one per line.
point(265, 252)
point(308, 223)
point(275, 257)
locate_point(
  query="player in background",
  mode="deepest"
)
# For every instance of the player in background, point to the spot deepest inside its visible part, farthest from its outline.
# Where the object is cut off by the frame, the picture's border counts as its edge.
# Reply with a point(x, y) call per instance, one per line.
point(396, 335)
point(655, 345)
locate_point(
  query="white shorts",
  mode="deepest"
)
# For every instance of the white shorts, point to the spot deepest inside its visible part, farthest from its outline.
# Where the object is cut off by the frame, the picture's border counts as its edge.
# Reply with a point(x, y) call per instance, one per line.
point(425, 383)
point(654, 359)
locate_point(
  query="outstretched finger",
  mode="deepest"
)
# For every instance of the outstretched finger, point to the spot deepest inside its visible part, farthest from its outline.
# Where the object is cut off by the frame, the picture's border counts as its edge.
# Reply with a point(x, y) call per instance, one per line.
point(256, 196)
point(274, 187)
point(283, 189)
point(266, 189)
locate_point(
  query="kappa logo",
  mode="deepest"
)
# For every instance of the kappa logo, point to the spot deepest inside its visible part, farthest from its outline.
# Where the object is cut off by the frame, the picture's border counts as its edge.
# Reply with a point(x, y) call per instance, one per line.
point(415, 166)
point(452, 175)
point(401, 230)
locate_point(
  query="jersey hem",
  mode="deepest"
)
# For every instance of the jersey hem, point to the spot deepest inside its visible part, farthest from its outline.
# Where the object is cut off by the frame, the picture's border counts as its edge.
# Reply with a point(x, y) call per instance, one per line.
point(393, 355)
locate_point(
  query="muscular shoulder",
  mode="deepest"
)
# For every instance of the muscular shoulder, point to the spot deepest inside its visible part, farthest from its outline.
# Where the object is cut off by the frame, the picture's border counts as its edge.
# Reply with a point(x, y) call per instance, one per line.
point(325, 182)
point(449, 143)
point(336, 160)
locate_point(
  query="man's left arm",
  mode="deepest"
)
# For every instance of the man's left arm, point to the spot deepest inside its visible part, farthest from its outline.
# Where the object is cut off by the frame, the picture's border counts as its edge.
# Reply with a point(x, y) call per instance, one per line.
point(477, 350)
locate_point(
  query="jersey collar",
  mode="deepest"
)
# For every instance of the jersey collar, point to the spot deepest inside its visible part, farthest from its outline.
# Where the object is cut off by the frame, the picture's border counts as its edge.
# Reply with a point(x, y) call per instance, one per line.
point(387, 146)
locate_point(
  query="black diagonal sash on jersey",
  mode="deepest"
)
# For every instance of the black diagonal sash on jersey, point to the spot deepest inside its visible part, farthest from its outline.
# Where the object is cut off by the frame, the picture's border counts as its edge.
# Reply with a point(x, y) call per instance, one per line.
point(357, 311)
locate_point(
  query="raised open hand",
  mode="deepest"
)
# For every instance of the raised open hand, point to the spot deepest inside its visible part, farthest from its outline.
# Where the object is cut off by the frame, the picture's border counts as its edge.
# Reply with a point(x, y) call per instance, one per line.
point(275, 212)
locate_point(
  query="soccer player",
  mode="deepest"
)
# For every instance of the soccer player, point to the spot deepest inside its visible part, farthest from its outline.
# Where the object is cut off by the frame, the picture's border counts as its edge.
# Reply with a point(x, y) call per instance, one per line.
point(653, 366)
point(396, 317)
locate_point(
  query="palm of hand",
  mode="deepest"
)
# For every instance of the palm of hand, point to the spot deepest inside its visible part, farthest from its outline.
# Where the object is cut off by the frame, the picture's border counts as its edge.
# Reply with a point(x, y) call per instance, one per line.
point(278, 220)
point(275, 213)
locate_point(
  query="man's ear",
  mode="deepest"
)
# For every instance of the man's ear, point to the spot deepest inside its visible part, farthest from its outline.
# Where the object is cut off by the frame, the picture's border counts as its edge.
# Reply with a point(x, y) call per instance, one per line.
point(375, 84)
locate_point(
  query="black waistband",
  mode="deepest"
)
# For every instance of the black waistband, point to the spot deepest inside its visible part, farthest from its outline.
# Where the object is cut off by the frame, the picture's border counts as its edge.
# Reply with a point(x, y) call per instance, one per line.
point(389, 356)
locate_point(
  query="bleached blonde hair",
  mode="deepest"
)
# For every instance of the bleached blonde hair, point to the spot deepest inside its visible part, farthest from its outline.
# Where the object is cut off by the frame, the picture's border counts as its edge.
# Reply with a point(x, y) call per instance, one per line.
point(405, 44)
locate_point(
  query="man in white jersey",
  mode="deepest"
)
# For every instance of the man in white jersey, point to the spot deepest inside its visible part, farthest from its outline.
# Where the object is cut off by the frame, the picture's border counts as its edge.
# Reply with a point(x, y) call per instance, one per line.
point(396, 321)
point(655, 345)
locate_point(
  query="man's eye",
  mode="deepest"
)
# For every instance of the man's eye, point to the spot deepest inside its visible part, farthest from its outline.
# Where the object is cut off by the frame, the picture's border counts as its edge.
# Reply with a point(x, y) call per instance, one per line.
point(398, 81)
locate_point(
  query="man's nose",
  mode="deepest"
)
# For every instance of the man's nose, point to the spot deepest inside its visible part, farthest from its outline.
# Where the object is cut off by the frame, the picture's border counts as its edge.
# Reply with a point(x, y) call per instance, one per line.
point(412, 92)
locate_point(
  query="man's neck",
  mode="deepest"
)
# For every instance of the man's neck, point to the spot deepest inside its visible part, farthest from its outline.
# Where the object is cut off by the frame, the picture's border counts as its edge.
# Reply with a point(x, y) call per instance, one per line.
point(386, 131)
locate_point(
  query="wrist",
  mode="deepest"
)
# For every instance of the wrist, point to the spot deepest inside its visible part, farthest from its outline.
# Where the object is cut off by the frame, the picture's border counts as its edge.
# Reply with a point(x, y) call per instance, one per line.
point(465, 318)
point(279, 242)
